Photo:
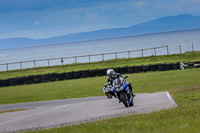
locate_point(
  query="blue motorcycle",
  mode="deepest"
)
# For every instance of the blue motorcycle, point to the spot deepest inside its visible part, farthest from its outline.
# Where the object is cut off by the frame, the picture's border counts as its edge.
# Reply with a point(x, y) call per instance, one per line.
point(122, 92)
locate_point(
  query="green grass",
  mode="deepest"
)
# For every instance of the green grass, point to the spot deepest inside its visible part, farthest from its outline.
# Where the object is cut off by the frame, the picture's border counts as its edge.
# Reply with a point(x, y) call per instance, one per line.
point(182, 119)
point(187, 57)
point(12, 110)
point(86, 87)
point(184, 85)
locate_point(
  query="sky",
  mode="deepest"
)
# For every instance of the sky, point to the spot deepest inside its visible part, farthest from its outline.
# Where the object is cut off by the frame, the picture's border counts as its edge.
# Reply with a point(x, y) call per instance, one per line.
point(38, 19)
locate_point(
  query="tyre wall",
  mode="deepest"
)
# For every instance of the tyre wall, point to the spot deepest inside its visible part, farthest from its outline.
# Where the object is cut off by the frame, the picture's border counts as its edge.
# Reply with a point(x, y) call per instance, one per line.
point(176, 66)
point(37, 79)
point(69, 75)
point(146, 68)
point(61, 76)
point(45, 78)
point(5, 83)
point(12, 81)
point(101, 72)
point(197, 64)
point(138, 69)
point(123, 70)
point(162, 67)
point(53, 76)
point(169, 66)
point(85, 74)
point(154, 67)
point(77, 74)
point(130, 69)
point(29, 80)
point(20, 80)
point(92, 73)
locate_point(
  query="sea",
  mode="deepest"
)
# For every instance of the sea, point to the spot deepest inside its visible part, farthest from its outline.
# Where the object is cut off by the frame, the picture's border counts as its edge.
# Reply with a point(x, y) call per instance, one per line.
point(68, 53)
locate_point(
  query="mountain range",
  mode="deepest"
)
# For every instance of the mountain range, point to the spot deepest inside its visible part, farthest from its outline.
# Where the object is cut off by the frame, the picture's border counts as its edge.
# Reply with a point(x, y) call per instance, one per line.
point(165, 24)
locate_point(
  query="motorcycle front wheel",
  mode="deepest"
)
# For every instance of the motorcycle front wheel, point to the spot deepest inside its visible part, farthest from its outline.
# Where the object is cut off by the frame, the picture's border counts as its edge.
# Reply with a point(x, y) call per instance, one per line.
point(132, 103)
point(123, 100)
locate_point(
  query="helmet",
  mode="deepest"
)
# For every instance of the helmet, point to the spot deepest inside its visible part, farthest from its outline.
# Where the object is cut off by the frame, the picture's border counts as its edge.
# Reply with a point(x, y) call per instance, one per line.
point(110, 73)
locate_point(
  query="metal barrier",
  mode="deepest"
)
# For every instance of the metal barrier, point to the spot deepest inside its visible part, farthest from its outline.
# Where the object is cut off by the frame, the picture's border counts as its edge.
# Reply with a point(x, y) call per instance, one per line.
point(75, 58)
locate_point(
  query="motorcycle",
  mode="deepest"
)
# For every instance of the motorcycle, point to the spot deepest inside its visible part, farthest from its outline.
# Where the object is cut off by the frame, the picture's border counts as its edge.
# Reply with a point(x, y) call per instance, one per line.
point(121, 91)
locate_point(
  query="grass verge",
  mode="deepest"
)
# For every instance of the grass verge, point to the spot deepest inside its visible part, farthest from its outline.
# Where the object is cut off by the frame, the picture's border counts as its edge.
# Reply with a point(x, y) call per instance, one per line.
point(12, 110)
point(86, 87)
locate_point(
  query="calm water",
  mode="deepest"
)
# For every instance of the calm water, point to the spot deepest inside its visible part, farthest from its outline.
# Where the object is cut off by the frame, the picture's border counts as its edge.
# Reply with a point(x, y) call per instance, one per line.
point(172, 39)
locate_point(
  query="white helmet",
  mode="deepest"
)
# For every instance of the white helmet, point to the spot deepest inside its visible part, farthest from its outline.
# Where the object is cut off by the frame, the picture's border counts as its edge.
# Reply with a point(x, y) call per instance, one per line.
point(110, 72)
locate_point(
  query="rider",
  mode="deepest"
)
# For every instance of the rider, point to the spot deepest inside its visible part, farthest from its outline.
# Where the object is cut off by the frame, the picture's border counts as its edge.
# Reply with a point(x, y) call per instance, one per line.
point(112, 76)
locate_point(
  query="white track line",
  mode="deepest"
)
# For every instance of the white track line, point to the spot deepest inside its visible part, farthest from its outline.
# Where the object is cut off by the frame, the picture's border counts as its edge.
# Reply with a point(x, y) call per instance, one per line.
point(171, 99)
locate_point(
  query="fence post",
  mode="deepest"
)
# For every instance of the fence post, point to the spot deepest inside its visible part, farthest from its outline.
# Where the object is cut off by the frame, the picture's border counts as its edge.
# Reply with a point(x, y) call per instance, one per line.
point(62, 61)
point(48, 62)
point(192, 47)
point(167, 50)
point(115, 55)
point(75, 59)
point(142, 52)
point(180, 48)
point(102, 57)
point(21, 65)
point(155, 51)
point(7, 66)
point(129, 56)
point(89, 58)
point(34, 64)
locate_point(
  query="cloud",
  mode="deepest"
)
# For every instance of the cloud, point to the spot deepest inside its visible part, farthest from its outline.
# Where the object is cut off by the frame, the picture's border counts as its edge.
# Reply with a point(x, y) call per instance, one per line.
point(36, 22)
point(140, 3)
point(66, 16)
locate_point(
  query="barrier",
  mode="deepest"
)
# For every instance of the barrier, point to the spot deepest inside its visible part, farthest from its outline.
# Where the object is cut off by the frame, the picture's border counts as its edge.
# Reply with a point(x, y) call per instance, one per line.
point(77, 74)
point(169, 66)
point(196, 64)
point(5, 83)
point(101, 72)
point(131, 69)
point(162, 67)
point(85, 73)
point(146, 68)
point(37, 79)
point(190, 65)
point(176, 66)
point(138, 69)
point(29, 80)
point(20, 80)
point(45, 78)
point(123, 70)
point(154, 67)
point(69, 75)
point(61, 76)
point(12, 81)
point(53, 76)
point(117, 70)
point(92, 73)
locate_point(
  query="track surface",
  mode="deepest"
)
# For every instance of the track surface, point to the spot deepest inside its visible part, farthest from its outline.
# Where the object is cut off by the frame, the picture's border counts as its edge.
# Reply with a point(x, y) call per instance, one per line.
point(55, 113)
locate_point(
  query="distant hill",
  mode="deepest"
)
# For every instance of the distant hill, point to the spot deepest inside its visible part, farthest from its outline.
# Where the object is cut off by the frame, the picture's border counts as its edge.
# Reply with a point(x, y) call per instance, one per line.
point(165, 24)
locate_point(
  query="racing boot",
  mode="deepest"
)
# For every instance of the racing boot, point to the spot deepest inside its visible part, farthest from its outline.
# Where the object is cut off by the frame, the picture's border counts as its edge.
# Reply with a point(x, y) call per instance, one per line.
point(130, 86)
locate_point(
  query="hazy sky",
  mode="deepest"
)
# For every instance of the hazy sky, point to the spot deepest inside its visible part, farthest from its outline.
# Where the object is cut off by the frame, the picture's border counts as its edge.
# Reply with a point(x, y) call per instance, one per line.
point(47, 18)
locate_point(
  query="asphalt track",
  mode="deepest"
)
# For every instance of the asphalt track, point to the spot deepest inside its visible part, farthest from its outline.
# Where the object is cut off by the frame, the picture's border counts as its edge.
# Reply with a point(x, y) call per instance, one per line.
point(50, 114)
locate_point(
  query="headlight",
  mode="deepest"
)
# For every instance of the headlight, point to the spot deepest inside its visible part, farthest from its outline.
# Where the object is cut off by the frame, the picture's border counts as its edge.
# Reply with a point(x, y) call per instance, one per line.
point(121, 88)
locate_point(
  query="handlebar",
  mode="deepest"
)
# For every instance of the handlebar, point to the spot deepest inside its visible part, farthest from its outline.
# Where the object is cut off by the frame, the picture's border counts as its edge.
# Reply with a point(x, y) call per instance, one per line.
point(125, 77)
